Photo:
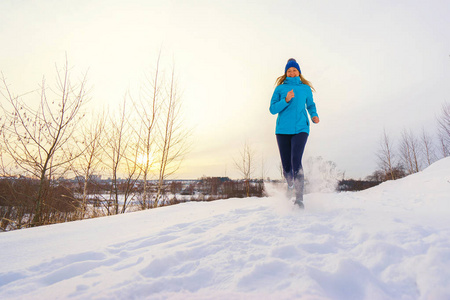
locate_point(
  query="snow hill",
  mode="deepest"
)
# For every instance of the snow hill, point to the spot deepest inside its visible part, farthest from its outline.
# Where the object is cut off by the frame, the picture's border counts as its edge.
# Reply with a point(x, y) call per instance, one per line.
point(388, 242)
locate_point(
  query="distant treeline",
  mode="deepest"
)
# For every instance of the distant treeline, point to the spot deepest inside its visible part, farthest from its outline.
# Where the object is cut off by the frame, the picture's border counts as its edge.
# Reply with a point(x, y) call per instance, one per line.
point(350, 185)
point(69, 200)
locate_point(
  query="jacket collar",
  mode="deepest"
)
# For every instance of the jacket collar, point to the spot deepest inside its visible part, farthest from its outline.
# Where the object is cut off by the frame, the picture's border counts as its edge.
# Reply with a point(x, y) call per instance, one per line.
point(293, 80)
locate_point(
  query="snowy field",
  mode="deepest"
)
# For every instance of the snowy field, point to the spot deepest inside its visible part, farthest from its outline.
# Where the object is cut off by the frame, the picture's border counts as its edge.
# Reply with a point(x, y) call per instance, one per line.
point(388, 242)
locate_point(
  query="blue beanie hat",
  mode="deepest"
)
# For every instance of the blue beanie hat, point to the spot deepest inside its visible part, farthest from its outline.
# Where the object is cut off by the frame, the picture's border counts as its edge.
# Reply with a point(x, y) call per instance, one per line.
point(292, 63)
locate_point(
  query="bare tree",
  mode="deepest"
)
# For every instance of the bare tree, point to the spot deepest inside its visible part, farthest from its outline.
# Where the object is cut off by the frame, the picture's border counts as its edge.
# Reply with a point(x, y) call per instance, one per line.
point(88, 163)
point(122, 159)
point(386, 157)
point(443, 147)
point(409, 152)
point(174, 137)
point(39, 139)
point(405, 153)
point(133, 173)
point(415, 151)
point(427, 147)
point(444, 129)
point(148, 109)
point(246, 164)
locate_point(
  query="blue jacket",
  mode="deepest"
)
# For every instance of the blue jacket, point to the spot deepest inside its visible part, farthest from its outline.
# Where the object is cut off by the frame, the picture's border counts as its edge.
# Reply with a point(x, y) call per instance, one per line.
point(292, 117)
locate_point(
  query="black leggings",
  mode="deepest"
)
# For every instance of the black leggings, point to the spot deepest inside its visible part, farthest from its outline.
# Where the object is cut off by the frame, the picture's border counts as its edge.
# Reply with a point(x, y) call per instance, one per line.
point(291, 148)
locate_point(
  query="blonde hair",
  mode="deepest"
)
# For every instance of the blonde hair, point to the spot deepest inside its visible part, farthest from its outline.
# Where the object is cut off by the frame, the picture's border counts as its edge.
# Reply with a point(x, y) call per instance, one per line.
point(282, 78)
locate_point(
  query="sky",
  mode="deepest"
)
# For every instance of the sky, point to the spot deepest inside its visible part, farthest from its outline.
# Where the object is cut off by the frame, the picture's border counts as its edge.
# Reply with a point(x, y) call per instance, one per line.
point(375, 65)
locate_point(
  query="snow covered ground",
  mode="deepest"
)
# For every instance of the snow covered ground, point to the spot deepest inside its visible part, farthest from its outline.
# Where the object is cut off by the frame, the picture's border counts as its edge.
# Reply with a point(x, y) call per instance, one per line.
point(388, 242)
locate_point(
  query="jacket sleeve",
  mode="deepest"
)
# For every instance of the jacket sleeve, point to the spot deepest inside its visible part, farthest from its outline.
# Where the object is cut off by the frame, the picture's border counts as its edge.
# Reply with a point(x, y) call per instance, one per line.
point(310, 105)
point(277, 104)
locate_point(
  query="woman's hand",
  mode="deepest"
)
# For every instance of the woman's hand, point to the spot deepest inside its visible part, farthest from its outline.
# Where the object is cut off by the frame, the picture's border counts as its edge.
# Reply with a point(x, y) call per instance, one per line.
point(290, 95)
point(315, 120)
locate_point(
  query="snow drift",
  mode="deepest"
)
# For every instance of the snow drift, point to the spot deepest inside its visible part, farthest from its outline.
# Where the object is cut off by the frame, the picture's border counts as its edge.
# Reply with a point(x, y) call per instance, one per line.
point(388, 242)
